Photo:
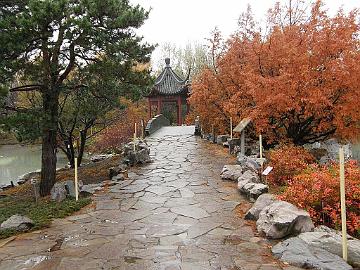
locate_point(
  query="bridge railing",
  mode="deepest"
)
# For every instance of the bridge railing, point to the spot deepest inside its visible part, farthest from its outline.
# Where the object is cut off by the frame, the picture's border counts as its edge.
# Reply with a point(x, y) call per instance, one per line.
point(156, 123)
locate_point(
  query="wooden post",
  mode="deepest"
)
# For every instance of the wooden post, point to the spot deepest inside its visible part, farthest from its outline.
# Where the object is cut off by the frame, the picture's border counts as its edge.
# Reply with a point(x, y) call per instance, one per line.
point(242, 142)
point(213, 133)
point(260, 143)
point(343, 206)
point(142, 128)
point(76, 180)
point(134, 142)
point(231, 128)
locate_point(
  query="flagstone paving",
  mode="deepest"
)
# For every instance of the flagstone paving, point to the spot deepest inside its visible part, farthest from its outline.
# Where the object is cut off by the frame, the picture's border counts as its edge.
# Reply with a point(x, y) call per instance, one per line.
point(174, 213)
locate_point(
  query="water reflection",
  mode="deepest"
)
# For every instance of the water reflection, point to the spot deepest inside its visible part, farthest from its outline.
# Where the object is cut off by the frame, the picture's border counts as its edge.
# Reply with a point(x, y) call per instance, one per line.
point(16, 160)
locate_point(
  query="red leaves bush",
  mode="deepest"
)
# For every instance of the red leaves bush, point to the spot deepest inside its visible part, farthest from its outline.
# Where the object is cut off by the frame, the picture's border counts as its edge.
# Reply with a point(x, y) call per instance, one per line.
point(287, 161)
point(317, 189)
point(112, 138)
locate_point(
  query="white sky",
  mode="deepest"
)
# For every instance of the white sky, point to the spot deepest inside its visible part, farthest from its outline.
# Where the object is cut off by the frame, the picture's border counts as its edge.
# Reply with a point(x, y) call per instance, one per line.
point(188, 21)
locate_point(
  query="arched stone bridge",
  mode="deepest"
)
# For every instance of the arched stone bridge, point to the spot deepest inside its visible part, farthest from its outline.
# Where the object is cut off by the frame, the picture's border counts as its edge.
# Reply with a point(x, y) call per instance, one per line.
point(174, 213)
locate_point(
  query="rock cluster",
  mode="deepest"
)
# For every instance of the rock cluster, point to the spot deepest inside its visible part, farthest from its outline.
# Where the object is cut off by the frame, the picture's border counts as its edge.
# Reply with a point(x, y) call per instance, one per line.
point(61, 190)
point(315, 248)
point(296, 252)
point(139, 155)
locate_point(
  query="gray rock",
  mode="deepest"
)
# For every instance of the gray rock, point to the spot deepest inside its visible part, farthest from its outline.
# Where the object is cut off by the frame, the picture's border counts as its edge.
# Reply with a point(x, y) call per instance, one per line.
point(331, 240)
point(114, 171)
point(18, 222)
point(119, 177)
point(231, 172)
point(250, 175)
point(221, 139)
point(243, 183)
point(70, 187)
point(91, 188)
point(281, 219)
point(58, 192)
point(141, 155)
point(261, 202)
point(254, 190)
point(296, 252)
point(248, 163)
point(97, 158)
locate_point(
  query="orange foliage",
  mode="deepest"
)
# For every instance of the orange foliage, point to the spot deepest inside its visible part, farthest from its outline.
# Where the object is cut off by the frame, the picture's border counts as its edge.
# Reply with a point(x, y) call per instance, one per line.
point(317, 189)
point(287, 162)
point(120, 132)
point(299, 82)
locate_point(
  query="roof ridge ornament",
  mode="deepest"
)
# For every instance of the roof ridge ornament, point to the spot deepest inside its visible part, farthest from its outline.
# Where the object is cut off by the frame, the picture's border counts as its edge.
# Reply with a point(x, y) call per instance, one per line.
point(167, 62)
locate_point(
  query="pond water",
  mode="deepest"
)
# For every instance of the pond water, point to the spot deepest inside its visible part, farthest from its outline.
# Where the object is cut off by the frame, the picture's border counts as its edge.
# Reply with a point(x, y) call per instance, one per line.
point(16, 160)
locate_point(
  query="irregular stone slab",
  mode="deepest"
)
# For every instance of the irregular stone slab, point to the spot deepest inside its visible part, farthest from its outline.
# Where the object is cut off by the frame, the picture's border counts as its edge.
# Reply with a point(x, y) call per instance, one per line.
point(18, 222)
point(261, 202)
point(166, 230)
point(190, 211)
point(201, 229)
point(282, 219)
point(160, 190)
point(331, 240)
point(186, 193)
point(296, 252)
point(231, 172)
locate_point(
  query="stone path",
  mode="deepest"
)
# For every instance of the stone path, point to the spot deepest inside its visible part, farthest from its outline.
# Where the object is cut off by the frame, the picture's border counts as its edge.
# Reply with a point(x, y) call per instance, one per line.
point(174, 213)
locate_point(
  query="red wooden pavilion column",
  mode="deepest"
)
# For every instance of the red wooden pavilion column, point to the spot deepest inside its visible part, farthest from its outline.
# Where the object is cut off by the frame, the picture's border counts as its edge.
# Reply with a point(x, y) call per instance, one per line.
point(150, 114)
point(158, 105)
point(179, 111)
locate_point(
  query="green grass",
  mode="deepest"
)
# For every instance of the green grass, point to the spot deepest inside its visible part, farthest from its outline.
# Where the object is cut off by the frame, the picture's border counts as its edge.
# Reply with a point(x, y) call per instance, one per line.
point(42, 213)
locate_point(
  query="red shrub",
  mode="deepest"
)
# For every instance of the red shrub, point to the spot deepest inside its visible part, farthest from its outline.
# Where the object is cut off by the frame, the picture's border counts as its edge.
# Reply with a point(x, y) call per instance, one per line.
point(288, 160)
point(317, 189)
point(122, 131)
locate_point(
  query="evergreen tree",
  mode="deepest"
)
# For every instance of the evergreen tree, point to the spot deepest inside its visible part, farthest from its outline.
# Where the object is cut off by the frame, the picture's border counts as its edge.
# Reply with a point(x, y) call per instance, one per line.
point(43, 43)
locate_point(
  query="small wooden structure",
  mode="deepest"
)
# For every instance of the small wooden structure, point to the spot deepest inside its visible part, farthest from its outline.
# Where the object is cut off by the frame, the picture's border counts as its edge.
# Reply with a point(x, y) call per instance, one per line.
point(169, 91)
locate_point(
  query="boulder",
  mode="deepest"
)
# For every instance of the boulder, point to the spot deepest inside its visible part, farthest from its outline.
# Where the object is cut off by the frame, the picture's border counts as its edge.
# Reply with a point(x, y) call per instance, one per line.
point(331, 240)
point(231, 172)
point(249, 175)
point(141, 155)
point(114, 171)
point(119, 177)
point(254, 190)
point(261, 202)
point(97, 158)
point(58, 192)
point(296, 252)
point(281, 219)
point(18, 222)
point(70, 188)
point(248, 163)
point(91, 188)
point(220, 139)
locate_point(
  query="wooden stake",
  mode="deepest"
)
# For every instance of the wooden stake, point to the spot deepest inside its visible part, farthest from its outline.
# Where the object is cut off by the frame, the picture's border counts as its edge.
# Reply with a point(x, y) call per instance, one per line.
point(242, 142)
point(76, 180)
point(260, 143)
point(343, 205)
point(231, 128)
point(142, 129)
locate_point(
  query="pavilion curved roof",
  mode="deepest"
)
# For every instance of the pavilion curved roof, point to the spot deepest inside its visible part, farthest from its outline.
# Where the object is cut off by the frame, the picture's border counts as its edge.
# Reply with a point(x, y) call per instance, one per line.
point(169, 83)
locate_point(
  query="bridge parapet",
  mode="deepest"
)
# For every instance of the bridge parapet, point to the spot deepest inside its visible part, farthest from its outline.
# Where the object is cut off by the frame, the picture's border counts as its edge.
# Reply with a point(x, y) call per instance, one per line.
point(156, 123)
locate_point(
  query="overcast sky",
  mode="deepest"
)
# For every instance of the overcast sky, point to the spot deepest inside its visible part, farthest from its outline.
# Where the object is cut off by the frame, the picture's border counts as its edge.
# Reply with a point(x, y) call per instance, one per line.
point(188, 21)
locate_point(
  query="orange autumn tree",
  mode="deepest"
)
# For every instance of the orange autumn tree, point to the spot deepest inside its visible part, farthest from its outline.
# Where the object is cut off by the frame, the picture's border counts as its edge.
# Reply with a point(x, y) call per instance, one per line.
point(299, 82)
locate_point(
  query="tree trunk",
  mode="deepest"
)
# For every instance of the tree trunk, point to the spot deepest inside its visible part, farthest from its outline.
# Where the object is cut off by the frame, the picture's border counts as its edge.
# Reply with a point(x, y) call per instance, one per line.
point(83, 135)
point(49, 145)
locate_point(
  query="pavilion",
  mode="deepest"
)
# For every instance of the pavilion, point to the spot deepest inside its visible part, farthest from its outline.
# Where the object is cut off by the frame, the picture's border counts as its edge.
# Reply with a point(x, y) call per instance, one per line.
point(169, 95)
